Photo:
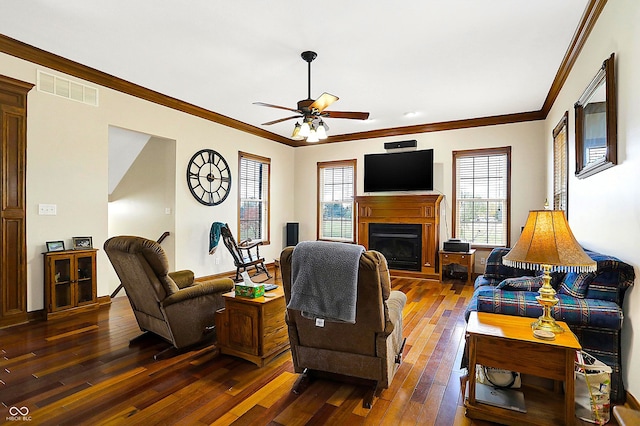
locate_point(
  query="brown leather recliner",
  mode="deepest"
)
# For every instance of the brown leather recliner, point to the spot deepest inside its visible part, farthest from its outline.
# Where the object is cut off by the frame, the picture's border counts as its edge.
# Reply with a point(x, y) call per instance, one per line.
point(370, 349)
point(171, 305)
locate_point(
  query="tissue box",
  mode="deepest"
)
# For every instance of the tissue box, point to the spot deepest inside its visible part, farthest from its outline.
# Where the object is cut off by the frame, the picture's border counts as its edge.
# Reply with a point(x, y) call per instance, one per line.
point(249, 291)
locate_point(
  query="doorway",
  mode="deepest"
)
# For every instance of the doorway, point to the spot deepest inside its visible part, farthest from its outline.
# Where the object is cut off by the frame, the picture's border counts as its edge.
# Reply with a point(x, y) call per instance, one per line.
point(142, 176)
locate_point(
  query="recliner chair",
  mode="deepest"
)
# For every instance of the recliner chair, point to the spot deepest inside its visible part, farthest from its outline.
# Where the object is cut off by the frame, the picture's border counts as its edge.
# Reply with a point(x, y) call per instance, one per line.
point(171, 305)
point(371, 349)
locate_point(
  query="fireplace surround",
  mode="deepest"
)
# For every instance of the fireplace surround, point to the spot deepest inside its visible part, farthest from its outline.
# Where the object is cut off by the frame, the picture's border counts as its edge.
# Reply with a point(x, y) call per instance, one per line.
point(421, 210)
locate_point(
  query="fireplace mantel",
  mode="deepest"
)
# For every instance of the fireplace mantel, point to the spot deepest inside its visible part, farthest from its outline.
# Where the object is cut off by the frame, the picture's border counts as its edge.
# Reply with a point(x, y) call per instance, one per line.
point(420, 209)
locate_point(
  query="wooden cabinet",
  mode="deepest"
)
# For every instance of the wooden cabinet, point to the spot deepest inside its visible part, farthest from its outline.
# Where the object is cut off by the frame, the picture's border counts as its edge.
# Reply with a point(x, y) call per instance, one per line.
point(466, 259)
point(506, 341)
point(13, 229)
point(253, 329)
point(405, 209)
point(70, 281)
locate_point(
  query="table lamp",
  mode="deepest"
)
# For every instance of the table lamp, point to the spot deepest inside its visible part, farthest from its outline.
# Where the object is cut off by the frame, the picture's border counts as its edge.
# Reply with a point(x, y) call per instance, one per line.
point(547, 244)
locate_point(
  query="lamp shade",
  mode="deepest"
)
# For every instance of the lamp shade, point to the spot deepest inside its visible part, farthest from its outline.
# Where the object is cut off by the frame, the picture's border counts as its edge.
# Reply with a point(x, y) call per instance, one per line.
point(548, 240)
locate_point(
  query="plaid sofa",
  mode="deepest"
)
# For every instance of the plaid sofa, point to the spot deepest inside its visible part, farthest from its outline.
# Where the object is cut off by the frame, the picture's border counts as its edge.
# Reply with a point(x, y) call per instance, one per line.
point(593, 311)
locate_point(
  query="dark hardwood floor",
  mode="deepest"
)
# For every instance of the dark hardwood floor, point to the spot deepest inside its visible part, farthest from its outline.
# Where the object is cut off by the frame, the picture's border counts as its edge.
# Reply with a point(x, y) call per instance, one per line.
point(82, 370)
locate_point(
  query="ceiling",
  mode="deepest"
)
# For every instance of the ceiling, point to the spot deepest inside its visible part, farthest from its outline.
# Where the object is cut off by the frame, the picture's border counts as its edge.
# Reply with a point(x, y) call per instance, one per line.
point(408, 63)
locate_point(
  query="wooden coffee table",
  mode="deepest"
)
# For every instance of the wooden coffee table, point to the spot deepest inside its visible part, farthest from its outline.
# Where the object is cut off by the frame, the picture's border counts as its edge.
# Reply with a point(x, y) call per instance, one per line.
point(506, 341)
point(253, 329)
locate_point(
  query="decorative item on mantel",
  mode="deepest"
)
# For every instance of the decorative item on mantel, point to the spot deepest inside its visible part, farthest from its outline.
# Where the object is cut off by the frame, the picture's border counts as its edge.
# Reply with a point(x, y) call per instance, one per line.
point(547, 244)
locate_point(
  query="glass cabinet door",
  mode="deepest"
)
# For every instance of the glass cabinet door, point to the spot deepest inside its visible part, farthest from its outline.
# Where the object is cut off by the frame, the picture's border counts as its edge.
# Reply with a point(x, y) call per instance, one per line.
point(85, 279)
point(62, 296)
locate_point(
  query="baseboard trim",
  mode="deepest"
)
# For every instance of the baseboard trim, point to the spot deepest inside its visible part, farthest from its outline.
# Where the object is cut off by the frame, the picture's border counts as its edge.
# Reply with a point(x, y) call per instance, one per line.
point(271, 267)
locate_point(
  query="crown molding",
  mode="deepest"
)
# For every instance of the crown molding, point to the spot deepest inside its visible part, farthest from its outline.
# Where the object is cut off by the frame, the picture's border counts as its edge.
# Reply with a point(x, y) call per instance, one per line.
point(41, 57)
point(438, 127)
point(587, 22)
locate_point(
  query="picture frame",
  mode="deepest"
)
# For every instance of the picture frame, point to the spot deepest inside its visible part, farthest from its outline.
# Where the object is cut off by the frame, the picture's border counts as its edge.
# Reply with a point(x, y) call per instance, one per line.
point(55, 246)
point(81, 243)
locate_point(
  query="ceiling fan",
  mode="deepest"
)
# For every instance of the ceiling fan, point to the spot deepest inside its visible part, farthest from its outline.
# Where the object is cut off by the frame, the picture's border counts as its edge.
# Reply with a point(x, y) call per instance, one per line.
point(313, 111)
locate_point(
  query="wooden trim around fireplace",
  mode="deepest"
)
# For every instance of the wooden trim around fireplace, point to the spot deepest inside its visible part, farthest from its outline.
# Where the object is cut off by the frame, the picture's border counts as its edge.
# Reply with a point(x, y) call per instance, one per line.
point(403, 209)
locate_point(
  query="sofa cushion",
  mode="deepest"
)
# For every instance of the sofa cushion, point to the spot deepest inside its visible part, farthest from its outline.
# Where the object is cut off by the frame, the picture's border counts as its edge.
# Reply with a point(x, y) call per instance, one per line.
point(572, 310)
point(495, 269)
point(611, 279)
point(482, 280)
point(521, 283)
point(576, 284)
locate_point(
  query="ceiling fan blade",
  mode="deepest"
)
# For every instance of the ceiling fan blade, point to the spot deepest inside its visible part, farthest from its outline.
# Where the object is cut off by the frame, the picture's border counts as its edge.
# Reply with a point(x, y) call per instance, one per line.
point(280, 120)
point(346, 114)
point(323, 101)
point(276, 106)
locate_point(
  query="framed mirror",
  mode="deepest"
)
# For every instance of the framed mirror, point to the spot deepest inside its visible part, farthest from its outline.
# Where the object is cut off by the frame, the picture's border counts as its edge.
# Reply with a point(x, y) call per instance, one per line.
point(596, 123)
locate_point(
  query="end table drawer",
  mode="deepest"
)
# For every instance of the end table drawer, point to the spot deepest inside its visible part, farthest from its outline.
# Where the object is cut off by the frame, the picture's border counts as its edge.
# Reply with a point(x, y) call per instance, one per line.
point(448, 258)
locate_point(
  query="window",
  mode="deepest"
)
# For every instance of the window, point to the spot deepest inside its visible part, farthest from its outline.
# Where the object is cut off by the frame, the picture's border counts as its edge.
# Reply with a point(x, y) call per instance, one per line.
point(253, 197)
point(560, 165)
point(482, 194)
point(336, 189)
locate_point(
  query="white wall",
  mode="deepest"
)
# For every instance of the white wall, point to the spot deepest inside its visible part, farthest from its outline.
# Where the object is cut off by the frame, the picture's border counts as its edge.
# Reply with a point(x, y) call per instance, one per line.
point(604, 209)
point(528, 169)
point(138, 204)
point(67, 165)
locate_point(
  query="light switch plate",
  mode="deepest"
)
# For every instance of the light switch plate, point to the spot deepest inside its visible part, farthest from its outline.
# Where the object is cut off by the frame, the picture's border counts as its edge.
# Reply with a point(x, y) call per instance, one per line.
point(47, 209)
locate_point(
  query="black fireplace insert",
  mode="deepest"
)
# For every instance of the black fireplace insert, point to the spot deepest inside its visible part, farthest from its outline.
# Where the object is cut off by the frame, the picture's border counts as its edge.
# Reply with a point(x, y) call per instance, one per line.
point(400, 243)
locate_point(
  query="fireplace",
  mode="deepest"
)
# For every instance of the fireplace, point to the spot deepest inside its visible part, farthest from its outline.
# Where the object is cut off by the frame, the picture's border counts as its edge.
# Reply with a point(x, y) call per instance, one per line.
point(400, 243)
point(420, 210)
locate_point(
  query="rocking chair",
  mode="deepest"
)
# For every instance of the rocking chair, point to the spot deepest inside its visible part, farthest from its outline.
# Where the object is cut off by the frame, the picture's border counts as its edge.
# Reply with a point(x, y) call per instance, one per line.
point(245, 255)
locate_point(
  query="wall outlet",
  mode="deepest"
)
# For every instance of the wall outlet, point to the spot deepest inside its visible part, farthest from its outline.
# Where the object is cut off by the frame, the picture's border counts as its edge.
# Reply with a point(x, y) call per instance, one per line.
point(47, 209)
point(483, 260)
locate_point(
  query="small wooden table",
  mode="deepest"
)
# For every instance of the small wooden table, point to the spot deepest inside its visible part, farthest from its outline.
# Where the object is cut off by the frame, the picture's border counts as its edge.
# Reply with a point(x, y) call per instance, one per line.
point(466, 259)
point(253, 329)
point(506, 341)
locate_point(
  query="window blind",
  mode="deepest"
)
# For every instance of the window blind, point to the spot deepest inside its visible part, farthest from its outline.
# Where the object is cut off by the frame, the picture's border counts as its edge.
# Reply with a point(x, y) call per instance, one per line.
point(482, 198)
point(254, 193)
point(560, 166)
point(336, 204)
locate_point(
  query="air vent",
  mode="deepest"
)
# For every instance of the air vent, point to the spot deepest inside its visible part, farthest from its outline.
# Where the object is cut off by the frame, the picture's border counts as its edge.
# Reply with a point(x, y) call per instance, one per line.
point(65, 88)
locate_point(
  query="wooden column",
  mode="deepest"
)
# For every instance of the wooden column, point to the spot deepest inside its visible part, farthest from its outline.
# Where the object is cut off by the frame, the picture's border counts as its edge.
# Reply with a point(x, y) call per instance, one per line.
point(13, 245)
point(405, 209)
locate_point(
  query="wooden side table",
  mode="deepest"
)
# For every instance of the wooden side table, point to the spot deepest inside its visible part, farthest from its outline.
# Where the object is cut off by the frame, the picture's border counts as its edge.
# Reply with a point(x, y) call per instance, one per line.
point(466, 259)
point(506, 341)
point(253, 329)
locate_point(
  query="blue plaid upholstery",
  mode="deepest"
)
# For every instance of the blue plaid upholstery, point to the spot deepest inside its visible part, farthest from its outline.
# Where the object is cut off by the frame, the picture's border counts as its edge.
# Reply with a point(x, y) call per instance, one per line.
point(494, 268)
point(521, 283)
point(596, 318)
point(612, 278)
point(572, 310)
point(576, 284)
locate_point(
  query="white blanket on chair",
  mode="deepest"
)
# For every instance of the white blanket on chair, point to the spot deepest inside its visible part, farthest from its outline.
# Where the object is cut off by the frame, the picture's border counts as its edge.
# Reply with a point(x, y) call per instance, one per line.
point(324, 280)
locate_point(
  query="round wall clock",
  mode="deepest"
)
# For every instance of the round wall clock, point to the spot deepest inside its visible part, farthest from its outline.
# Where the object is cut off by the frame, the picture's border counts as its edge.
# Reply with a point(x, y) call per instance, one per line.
point(208, 177)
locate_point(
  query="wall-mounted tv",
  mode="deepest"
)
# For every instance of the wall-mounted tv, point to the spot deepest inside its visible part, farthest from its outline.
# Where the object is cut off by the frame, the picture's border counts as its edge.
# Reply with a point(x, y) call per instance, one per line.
point(399, 171)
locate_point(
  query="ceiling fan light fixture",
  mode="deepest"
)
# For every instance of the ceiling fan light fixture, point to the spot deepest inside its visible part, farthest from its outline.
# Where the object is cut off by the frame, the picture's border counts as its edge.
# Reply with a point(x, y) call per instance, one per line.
point(313, 136)
point(305, 129)
point(311, 110)
point(296, 133)
point(321, 130)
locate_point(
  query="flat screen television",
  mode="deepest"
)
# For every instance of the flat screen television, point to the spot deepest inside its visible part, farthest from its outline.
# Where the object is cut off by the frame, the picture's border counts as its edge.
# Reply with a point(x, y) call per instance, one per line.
point(399, 171)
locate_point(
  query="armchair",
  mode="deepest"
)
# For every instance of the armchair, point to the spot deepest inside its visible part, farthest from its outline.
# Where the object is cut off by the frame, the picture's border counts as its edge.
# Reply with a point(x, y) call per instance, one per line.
point(172, 305)
point(245, 255)
point(369, 350)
